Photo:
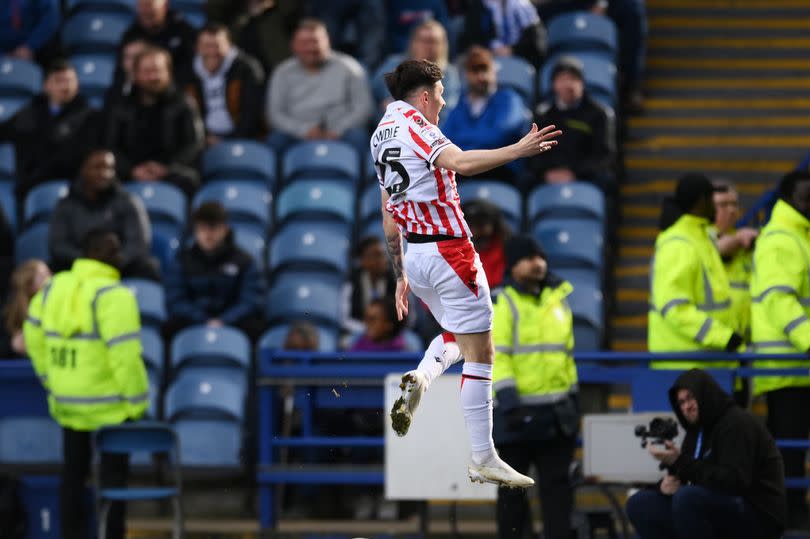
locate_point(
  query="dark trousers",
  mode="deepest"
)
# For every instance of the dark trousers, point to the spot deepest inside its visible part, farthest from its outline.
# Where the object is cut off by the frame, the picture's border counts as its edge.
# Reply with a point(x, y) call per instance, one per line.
point(552, 459)
point(788, 418)
point(695, 513)
point(78, 453)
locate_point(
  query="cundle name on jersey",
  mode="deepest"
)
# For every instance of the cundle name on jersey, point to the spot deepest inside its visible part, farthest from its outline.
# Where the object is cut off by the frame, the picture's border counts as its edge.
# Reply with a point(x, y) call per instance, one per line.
point(385, 134)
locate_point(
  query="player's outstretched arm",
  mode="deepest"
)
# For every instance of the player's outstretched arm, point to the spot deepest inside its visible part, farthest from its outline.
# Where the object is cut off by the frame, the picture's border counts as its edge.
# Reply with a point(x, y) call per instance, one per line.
point(393, 242)
point(474, 162)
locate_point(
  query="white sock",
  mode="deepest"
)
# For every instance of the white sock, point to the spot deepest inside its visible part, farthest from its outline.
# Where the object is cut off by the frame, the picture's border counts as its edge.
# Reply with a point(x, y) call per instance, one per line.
point(476, 400)
point(438, 357)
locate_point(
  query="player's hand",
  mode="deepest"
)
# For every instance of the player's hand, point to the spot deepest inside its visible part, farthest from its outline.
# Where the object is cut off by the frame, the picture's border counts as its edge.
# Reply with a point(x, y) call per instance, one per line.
point(538, 140)
point(668, 455)
point(401, 296)
point(670, 485)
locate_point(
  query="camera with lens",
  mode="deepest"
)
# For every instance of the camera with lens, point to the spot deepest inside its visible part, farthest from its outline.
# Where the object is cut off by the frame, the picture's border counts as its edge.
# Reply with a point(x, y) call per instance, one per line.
point(660, 430)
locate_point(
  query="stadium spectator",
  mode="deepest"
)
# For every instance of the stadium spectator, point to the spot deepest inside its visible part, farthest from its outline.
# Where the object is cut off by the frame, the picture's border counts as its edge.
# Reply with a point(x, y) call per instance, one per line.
point(163, 27)
point(227, 86)
point(507, 28)
point(371, 278)
point(97, 200)
point(536, 415)
point(213, 281)
point(736, 248)
point(302, 336)
point(585, 151)
point(489, 233)
point(266, 29)
point(404, 16)
point(50, 133)
point(156, 132)
point(124, 79)
point(690, 307)
point(318, 94)
point(27, 27)
point(428, 42)
point(487, 117)
point(383, 330)
point(779, 325)
point(725, 480)
point(357, 27)
point(84, 343)
point(26, 281)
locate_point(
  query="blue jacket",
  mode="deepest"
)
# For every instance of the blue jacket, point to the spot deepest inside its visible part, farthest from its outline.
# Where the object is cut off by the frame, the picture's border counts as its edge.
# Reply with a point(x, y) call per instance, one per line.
point(226, 285)
point(27, 22)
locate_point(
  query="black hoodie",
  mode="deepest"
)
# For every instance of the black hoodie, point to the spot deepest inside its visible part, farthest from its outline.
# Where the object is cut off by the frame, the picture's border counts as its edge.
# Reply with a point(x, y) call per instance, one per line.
point(737, 455)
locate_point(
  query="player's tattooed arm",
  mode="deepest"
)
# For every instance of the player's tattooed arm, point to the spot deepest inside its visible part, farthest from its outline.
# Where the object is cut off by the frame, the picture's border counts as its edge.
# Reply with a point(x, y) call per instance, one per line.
point(394, 243)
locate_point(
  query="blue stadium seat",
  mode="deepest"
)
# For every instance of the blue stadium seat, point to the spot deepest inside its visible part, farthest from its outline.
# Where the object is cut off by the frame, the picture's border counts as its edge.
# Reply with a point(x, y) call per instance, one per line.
point(575, 200)
point(586, 306)
point(251, 240)
point(165, 203)
point(600, 77)
point(33, 243)
point(8, 203)
point(245, 201)
point(152, 346)
point(501, 194)
point(95, 73)
point(240, 159)
point(30, 440)
point(310, 245)
point(322, 159)
point(518, 74)
point(90, 33)
point(10, 105)
point(316, 301)
point(121, 7)
point(591, 277)
point(19, 78)
point(273, 338)
point(42, 199)
point(372, 228)
point(314, 200)
point(370, 204)
point(581, 31)
point(378, 88)
point(151, 300)
point(571, 242)
point(153, 412)
point(202, 346)
point(8, 163)
point(165, 244)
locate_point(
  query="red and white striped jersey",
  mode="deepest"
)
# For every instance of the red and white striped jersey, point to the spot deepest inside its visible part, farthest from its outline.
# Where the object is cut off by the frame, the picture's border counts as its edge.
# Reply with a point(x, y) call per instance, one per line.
point(423, 199)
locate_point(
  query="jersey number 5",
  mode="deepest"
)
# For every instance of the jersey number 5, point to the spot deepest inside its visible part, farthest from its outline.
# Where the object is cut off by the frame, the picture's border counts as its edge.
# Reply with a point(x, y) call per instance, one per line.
point(389, 157)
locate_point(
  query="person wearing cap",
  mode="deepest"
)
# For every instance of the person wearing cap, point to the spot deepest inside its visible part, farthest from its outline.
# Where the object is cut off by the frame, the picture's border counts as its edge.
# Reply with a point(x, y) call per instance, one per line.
point(587, 149)
point(690, 295)
point(487, 116)
point(536, 414)
point(780, 324)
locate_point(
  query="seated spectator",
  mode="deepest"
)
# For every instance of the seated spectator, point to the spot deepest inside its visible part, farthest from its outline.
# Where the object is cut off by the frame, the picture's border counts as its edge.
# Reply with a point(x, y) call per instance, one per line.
point(357, 27)
point(50, 133)
point(489, 232)
point(383, 330)
point(97, 201)
point(372, 278)
point(26, 27)
point(227, 86)
point(26, 281)
point(585, 149)
point(265, 30)
point(318, 94)
point(507, 28)
point(124, 78)
point(161, 26)
point(403, 17)
point(487, 117)
point(428, 42)
point(156, 132)
point(213, 281)
point(302, 336)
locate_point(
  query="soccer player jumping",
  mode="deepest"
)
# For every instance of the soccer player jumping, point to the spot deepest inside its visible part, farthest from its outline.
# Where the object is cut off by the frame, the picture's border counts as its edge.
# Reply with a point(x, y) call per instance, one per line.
point(416, 167)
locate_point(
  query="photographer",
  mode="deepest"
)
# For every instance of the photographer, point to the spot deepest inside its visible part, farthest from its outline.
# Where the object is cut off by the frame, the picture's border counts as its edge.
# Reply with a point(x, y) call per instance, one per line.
point(725, 481)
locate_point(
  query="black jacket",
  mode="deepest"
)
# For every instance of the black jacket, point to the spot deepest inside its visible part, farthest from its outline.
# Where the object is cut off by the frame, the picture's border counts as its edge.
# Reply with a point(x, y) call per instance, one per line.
point(117, 210)
point(48, 146)
point(169, 132)
point(480, 30)
point(737, 455)
point(585, 146)
point(226, 284)
point(244, 96)
point(177, 36)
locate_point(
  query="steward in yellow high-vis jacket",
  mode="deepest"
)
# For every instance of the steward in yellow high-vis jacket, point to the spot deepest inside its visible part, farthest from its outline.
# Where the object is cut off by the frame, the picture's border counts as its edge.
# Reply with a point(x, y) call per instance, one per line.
point(534, 378)
point(83, 337)
point(780, 323)
point(690, 298)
